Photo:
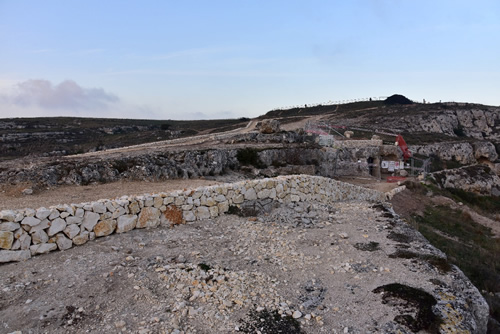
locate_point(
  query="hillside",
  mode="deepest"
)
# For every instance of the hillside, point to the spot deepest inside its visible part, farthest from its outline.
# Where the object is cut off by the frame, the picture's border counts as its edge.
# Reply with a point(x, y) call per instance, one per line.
point(456, 208)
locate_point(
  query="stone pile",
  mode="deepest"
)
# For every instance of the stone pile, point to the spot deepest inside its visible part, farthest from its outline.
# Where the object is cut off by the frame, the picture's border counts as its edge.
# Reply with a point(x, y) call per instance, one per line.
point(29, 232)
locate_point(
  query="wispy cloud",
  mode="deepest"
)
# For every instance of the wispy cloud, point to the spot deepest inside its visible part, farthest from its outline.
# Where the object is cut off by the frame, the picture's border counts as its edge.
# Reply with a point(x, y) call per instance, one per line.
point(65, 95)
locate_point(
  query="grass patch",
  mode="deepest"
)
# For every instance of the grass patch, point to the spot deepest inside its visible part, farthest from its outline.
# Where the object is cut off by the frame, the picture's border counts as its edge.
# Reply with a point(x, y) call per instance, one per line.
point(468, 245)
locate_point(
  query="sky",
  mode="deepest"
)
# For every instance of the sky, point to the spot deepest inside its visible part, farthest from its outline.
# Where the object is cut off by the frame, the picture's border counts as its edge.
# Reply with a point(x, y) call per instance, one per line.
point(240, 58)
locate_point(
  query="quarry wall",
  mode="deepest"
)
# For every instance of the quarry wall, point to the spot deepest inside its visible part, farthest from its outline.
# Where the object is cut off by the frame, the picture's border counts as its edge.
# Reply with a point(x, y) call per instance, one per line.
point(29, 232)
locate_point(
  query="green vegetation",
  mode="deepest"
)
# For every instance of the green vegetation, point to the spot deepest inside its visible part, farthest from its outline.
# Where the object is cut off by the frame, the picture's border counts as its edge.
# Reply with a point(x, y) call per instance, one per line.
point(469, 245)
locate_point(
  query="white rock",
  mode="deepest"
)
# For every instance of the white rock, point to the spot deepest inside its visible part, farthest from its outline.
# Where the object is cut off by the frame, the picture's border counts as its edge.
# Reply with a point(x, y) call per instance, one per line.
point(74, 220)
point(39, 237)
point(42, 213)
point(8, 215)
point(25, 241)
point(30, 221)
point(56, 226)
point(79, 212)
point(9, 226)
point(250, 194)
point(98, 207)
point(54, 214)
point(42, 226)
point(120, 211)
point(42, 248)
point(296, 314)
point(189, 216)
point(11, 256)
point(90, 220)
point(63, 242)
point(72, 230)
point(202, 212)
point(126, 223)
point(81, 238)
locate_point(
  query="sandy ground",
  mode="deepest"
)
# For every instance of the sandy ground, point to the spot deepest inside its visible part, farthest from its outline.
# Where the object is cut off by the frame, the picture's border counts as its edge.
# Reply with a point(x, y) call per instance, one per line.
point(12, 198)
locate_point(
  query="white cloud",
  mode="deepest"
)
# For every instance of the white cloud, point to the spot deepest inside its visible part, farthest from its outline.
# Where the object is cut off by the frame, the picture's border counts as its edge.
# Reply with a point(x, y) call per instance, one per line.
point(67, 95)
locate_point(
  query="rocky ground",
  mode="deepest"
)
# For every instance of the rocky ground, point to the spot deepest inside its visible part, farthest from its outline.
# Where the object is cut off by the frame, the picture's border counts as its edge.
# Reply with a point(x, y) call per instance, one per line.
point(305, 268)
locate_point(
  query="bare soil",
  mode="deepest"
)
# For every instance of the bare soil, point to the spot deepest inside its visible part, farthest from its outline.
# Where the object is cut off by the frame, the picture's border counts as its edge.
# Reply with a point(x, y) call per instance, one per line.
point(11, 197)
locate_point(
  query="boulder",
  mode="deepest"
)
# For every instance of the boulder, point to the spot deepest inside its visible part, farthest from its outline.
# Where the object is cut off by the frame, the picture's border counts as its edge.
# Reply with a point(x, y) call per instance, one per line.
point(268, 126)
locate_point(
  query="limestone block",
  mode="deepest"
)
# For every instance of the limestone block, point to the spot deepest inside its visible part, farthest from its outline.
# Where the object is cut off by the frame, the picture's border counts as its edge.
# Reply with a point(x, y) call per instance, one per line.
point(74, 220)
point(16, 245)
point(202, 212)
point(54, 214)
point(105, 227)
point(223, 207)
point(72, 230)
point(126, 223)
point(29, 212)
point(214, 211)
point(56, 226)
point(62, 242)
point(6, 239)
point(14, 256)
point(238, 199)
point(39, 237)
point(81, 238)
point(189, 216)
point(272, 194)
point(196, 195)
point(250, 194)
point(110, 206)
point(30, 221)
point(79, 213)
point(120, 211)
point(149, 217)
point(99, 207)
point(42, 213)
point(44, 224)
point(42, 248)
point(134, 208)
point(64, 215)
point(158, 202)
point(264, 193)
point(209, 201)
point(149, 201)
point(179, 200)
point(89, 220)
point(220, 198)
point(168, 200)
point(187, 207)
point(25, 241)
point(8, 215)
point(189, 200)
point(9, 226)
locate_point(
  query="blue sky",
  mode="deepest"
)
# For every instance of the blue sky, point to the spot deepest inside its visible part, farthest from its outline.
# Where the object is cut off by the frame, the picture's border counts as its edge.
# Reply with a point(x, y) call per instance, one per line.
point(226, 59)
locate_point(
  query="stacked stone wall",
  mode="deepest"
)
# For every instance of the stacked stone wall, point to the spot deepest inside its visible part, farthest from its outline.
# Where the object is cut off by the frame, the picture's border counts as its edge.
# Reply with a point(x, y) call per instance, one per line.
point(29, 232)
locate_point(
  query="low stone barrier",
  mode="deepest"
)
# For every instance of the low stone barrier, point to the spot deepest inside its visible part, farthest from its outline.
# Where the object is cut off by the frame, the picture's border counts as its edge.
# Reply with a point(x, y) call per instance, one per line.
point(29, 232)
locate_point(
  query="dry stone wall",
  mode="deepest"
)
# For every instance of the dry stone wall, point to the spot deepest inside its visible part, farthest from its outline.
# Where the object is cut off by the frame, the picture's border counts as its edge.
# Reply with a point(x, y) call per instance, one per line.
point(29, 232)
